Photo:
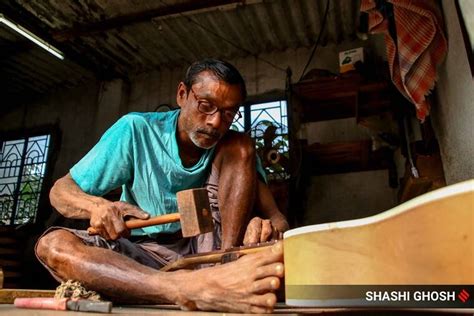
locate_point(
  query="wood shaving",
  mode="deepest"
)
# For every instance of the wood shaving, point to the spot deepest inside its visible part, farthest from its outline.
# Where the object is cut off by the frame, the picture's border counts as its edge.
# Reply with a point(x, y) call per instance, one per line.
point(75, 290)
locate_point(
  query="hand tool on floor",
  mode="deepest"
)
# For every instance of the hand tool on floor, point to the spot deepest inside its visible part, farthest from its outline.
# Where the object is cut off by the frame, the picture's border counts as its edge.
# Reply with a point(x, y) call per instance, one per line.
point(194, 213)
point(64, 304)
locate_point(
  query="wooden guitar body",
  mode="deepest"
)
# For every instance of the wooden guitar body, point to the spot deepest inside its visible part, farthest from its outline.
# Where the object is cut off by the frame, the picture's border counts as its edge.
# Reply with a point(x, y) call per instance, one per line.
point(425, 241)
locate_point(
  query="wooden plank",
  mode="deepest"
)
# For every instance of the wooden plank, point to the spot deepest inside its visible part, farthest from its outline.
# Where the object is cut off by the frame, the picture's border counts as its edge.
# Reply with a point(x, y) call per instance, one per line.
point(7, 230)
point(341, 97)
point(12, 284)
point(7, 296)
point(412, 187)
point(427, 240)
point(5, 263)
point(8, 251)
point(11, 274)
point(9, 241)
point(431, 177)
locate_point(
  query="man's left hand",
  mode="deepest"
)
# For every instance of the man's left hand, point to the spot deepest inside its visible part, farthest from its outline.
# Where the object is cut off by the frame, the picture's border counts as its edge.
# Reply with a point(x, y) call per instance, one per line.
point(260, 230)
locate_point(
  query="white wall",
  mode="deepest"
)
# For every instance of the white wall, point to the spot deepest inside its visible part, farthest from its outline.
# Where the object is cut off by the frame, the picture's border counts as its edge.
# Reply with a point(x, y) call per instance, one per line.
point(453, 116)
point(348, 195)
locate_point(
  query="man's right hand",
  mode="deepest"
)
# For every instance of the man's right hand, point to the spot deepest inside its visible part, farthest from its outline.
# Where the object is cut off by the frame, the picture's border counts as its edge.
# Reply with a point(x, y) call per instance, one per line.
point(108, 218)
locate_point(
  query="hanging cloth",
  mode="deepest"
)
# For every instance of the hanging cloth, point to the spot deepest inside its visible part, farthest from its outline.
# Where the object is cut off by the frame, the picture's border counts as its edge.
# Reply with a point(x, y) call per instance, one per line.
point(415, 47)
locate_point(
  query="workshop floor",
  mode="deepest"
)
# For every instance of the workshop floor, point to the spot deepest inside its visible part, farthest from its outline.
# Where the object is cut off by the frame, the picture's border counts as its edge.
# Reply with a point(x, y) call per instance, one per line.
point(10, 310)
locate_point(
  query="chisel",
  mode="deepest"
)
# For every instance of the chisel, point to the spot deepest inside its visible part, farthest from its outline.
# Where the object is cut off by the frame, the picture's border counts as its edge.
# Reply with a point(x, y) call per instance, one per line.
point(64, 304)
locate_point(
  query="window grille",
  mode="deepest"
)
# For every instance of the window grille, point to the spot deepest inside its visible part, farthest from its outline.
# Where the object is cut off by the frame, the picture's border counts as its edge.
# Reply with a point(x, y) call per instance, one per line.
point(256, 120)
point(22, 171)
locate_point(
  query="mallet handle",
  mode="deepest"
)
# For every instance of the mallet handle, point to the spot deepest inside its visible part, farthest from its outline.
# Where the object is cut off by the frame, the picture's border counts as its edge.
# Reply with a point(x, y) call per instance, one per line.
point(139, 223)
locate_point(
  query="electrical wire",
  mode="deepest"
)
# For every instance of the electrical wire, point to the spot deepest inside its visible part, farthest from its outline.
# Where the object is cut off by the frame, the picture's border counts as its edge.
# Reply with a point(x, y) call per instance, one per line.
point(323, 25)
point(227, 40)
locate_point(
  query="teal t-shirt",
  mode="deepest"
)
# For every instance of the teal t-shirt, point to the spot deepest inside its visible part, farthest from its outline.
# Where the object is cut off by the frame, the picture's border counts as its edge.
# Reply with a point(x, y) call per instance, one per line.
point(140, 153)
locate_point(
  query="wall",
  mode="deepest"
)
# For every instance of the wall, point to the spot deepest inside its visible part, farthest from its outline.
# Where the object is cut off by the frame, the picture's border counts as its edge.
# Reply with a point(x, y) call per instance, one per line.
point(348, 195)
point(73, 111)
point(266, 81)
point(453, 116)
point(263, 79)
point(84, 113)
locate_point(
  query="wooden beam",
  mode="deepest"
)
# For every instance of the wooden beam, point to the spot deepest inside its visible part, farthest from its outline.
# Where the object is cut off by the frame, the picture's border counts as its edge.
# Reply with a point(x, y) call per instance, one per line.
point(7, 296)
point(120, 21)
point(99, 67)
point(15, 48)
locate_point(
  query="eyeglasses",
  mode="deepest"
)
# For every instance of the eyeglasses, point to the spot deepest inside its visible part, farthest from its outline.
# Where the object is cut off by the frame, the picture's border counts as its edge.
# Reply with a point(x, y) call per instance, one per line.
point(208, 108)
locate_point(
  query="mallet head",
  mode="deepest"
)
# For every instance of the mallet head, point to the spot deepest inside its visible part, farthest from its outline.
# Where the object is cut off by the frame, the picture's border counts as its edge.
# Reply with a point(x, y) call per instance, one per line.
point(195, 212)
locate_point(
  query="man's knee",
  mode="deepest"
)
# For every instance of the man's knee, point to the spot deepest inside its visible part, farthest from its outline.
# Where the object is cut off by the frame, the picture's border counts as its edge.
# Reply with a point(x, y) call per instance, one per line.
point(236, 146)
point(53, 244)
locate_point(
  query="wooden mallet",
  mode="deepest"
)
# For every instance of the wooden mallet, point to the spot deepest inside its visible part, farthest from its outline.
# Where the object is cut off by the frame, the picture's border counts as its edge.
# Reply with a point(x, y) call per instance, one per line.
point(194, 213)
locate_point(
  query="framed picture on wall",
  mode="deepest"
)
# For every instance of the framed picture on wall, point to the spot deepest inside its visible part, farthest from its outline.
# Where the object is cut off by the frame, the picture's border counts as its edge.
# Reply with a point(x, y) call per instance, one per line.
point(465, 10)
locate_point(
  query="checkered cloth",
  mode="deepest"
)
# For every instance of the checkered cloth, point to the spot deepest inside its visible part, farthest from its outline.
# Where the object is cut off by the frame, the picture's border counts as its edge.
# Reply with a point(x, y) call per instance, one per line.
point(419, 48)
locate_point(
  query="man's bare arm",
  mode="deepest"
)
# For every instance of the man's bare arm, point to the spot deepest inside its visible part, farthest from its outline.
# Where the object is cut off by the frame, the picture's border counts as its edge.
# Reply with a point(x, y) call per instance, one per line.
point(68, 198)
point(105, 216)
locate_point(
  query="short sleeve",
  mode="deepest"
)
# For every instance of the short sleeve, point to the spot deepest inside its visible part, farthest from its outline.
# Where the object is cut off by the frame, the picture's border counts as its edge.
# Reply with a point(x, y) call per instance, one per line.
point(109, 163)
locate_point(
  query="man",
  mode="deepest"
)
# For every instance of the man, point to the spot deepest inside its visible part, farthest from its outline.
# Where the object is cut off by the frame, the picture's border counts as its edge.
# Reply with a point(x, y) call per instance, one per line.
point(152, 156)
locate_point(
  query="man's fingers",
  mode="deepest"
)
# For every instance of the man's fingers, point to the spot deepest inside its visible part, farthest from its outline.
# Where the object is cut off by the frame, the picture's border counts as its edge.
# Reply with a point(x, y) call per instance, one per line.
point(253, 232)
point(127, 209)
point(118, 229)
point(267, 230)
point(102, 232)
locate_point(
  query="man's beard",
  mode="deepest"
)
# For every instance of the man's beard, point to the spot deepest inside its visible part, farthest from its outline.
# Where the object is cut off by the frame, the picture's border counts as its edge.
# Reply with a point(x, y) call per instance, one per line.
point(196, 137)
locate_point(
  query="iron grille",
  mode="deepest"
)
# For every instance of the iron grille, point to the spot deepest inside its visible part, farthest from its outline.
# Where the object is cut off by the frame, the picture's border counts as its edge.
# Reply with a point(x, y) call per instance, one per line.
point(256, 120)
point(22, 170)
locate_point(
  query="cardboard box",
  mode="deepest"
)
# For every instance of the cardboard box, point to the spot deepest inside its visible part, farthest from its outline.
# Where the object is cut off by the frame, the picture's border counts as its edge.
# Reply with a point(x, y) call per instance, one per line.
point(348, 58)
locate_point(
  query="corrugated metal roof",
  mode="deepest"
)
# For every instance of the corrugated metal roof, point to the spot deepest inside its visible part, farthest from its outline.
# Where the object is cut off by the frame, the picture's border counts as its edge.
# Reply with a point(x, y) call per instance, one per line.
point(141, 43)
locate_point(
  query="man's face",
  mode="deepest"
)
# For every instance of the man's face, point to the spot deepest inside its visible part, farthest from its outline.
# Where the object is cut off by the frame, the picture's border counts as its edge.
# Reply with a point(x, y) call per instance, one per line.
point(208, 94)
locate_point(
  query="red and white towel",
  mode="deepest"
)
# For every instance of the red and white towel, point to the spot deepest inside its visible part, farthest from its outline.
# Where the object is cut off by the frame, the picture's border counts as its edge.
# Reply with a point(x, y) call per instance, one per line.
point(420, 46)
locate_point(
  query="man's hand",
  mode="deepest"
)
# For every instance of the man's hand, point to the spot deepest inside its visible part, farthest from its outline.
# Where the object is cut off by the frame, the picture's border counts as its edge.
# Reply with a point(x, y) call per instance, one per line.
point(260, 230)
point(108, 218)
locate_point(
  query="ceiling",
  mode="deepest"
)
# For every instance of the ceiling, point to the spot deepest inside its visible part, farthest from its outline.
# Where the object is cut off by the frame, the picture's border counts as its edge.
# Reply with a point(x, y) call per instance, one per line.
point(106, 39)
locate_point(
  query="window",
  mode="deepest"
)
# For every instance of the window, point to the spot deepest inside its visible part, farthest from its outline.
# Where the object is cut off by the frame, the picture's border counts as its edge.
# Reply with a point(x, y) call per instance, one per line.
point(267, 123)
point(22, 171)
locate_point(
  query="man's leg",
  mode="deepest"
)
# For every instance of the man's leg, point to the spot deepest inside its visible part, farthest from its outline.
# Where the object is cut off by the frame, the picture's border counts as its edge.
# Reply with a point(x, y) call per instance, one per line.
point(241, 286)
point(235, 161)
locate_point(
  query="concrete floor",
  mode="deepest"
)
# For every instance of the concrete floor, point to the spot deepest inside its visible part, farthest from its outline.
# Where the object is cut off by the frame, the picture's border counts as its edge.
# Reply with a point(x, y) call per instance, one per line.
point(9, 309)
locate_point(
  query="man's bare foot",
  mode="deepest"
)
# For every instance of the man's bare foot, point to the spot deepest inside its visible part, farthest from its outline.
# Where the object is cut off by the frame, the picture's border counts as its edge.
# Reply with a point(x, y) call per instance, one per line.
point(246, 285)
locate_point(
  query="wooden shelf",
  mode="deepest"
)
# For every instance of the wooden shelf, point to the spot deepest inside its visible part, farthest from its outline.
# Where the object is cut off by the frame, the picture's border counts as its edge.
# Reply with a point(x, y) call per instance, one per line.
point(346, 157)
point(431, 176)
point(341, 97)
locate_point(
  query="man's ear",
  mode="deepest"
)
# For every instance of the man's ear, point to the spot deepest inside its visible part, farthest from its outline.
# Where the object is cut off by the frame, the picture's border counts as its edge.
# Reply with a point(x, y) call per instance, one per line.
point(181, 94)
